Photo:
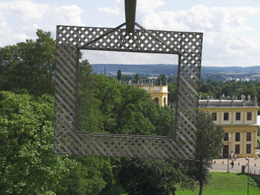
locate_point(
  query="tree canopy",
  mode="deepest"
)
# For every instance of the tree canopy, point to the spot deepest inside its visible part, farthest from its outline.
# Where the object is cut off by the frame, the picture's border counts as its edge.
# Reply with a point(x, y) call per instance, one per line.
point(209, 143)
point(29, 65)
point(151, 176)
point(107, 106)
point(28, 165)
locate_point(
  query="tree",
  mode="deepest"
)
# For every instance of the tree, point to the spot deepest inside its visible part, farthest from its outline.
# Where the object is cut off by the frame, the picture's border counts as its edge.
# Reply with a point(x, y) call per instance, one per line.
point(172, 79)
point(29, 65)
point(89, 116)
point(165, 122)
point(218, 91)
point(208, 146)
point(150, 176)
point(208, 90)
point(90, 176)
point(161, 79)
point(28, 165)
point(172, 96)
point(227, 90)
point(251, 90)
point(136, 78)
point(119, 76)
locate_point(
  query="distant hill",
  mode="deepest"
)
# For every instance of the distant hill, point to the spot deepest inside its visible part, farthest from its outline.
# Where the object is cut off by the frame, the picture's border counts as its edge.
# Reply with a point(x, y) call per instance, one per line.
point(229, 70)
point(137, 68)
point(166, 69)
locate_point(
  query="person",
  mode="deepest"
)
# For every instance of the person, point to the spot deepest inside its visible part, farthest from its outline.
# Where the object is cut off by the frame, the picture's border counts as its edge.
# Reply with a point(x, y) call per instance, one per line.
point(231, 155)
point(235, 156)
point(232, 163)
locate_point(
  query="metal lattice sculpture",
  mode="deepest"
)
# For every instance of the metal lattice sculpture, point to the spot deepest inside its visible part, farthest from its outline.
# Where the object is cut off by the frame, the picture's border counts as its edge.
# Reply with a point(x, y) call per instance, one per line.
point(71, 39)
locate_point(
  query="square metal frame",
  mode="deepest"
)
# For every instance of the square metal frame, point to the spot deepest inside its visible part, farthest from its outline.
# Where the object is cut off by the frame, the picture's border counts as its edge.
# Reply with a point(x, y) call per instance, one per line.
point(71, 39)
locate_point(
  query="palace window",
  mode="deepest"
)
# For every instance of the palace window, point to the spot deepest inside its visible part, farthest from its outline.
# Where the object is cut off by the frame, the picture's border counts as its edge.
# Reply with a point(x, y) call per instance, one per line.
point(248, 136)
point(249, 116)
point(214, 116)
point(248, 148)
point(238, 116)
point(225, 116)
point(237, 137)
point(226, 137)
point(156, 100)
point(237, 149)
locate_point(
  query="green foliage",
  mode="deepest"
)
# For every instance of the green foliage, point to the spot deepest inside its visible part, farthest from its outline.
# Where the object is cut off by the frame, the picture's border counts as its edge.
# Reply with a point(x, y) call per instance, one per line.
point(150, 176)
point(251, 90)
point(130, 110)
point(29, 65)
point(229, 89)
point(89, 117)
point(226, 184)
point(126, 78)
point(119, 75)
point(28, 165)
point(165, 122)
point(172, 79)
point(161, 80)
point(207, 90)
point(172, 96)
point(209, 143)
point(136, 78)
point(90, 176)
point(118, 108)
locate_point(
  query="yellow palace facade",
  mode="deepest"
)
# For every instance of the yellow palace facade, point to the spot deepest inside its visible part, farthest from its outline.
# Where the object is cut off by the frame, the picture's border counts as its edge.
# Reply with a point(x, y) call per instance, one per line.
point(158, 93)
point(239, 120)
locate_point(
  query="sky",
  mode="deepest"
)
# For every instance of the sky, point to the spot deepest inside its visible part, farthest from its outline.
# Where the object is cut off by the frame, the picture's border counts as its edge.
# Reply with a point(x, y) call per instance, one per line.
point(231, 30)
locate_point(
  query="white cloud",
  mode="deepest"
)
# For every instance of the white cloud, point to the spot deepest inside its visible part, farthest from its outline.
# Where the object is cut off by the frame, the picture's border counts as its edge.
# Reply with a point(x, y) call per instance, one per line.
point(202, 18)
point(30, 16)
point(1, 17)
point(29, 11)
point(5, 32)
point(106, 57)
point(109, 10)
point(25, 9)
point(142, 5)
point(148, 5)
point(230, 37)
point(224, 31)
point(116, 10)
point(66, 14)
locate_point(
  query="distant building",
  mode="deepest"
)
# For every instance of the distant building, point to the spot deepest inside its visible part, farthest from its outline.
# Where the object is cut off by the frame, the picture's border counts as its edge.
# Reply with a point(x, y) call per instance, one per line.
point(245, 79)
point(239, 120)
point(232, 79)
point(159, 93)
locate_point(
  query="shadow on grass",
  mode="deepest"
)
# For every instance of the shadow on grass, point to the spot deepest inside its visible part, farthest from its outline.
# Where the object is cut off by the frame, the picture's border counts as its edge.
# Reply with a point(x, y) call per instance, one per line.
point(256, 178)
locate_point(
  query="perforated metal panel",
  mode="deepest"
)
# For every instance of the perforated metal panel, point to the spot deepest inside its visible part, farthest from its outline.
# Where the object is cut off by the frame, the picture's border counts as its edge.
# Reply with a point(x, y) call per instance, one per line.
point(71, 39)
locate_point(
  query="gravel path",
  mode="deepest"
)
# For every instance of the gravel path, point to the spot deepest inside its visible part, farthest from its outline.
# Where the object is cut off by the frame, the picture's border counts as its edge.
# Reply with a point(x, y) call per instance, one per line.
point(220, 165)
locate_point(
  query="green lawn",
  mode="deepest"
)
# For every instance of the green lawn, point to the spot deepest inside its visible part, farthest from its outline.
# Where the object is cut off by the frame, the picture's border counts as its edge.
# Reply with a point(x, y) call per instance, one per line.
point(227, 184)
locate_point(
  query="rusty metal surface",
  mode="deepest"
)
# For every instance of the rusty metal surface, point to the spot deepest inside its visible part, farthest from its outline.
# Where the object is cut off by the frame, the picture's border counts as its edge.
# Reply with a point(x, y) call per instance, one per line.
point(71, 39)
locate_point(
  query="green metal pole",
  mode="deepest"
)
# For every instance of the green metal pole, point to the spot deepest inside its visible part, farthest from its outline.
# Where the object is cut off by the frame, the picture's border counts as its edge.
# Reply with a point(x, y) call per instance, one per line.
point(130, 10)
point(228, 164)
point(248, 179)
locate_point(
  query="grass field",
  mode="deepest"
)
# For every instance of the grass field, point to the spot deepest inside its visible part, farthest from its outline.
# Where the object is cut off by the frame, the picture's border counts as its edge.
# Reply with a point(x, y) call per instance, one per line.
point(227, 184)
